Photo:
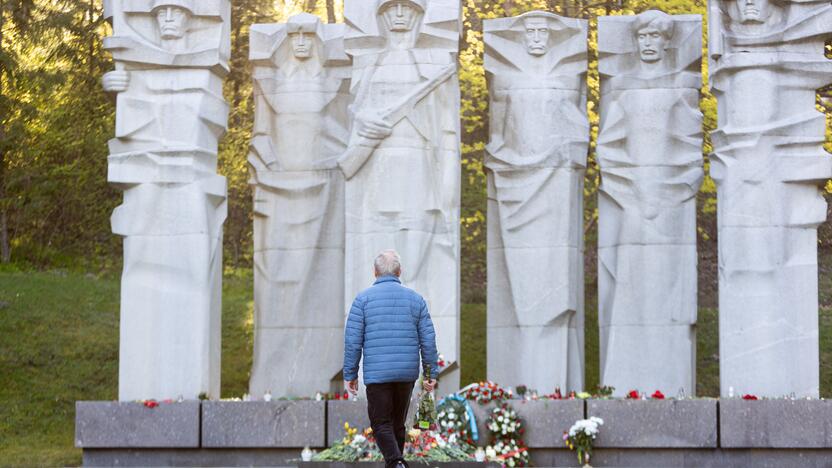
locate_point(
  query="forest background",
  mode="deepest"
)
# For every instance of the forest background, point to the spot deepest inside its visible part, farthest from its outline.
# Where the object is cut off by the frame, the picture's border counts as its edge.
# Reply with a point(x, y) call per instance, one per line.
point(60, 262)
point(55, 121)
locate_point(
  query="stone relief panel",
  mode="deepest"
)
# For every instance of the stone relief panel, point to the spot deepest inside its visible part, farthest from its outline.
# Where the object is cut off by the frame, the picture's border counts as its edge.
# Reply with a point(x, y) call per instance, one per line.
point(171, 57)
point(536, 68)
point(767, 62)
point(402, 164)
point(301, 81)
point(650, 155)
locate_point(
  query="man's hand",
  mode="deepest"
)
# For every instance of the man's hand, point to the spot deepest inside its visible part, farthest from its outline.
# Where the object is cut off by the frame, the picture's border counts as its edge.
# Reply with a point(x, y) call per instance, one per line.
point(372, 126)
point(116, 81)
point(429, 385)
point(351, 386)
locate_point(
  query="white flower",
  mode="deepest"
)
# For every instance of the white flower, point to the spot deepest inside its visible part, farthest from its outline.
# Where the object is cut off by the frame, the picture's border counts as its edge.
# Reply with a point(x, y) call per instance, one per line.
point(490, 452)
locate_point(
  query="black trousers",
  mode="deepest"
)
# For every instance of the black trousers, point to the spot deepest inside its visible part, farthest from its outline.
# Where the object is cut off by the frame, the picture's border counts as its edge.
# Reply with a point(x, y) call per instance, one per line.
point(387, 406)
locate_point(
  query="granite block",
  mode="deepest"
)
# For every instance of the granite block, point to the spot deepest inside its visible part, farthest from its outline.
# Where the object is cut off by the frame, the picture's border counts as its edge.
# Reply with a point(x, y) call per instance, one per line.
point(656, 423)
point(641, 458)
point(544, 420)
point(355, 413)
point(274, 424)
point(110, 424)
point(229, 457)
point(481, 412)
point(689, 458)
point(381, 465)
point(775, 423)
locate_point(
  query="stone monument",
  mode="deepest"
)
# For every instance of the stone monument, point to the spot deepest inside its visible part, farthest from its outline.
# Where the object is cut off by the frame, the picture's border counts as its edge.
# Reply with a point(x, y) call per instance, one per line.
point(402, 165)
point(536, 67)
point(650, 155)
point(767, 62)
point(301, 88)
point(171, 57)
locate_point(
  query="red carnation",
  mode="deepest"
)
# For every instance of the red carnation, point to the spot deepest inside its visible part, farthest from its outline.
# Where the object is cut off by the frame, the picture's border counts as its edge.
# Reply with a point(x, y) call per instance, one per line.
point(337, 396)
point(346, 396)
point(151, 404)
point(658, 395)
point(633, 395)
point(749, 397)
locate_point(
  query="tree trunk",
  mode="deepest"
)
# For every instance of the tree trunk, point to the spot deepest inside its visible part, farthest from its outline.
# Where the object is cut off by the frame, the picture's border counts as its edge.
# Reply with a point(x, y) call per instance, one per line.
point(5, 250)
point(236, 95)
point(92, 38)
point(330, 11)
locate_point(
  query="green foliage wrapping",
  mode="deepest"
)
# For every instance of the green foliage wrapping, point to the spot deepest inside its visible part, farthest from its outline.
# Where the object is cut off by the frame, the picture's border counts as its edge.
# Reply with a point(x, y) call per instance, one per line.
point(426, 412)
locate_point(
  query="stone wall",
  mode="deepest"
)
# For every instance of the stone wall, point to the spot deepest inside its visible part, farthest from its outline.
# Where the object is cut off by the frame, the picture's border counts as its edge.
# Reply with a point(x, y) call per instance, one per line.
point(695, 433)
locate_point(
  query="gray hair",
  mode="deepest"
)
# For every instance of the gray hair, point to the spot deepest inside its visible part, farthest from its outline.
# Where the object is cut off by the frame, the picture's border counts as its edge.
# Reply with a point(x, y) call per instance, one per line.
point(388, 263)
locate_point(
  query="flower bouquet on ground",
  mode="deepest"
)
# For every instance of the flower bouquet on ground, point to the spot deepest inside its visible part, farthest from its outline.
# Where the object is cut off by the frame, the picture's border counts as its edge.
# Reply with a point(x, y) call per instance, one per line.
point(508, 453)
point(354, 447)
point(454, 421)
point(426, 411)
point(507, 432)
point(581, 437)
point(431, 447)
point(504, 423)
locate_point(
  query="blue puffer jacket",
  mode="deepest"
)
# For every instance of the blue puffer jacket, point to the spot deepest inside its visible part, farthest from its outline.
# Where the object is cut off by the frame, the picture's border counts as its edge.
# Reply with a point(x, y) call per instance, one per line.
point(391, 325)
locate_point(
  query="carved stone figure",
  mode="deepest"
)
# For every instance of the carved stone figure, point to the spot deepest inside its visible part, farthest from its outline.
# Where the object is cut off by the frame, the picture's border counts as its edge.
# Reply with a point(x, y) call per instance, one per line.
point(171, 57)
point(301, 78)
point(650, 155)
point(536, 67)
point(767, 62)
point(402, 164)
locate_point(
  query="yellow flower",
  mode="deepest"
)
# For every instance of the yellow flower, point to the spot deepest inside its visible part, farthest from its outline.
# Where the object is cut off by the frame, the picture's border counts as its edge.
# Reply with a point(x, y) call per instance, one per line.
point(433, 445)
point(347, 426)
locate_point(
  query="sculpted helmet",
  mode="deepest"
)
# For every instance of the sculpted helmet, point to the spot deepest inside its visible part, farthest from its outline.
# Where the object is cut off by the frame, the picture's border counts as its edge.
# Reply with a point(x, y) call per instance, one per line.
point(304, 22)
point(420, 5)
point(183, 4)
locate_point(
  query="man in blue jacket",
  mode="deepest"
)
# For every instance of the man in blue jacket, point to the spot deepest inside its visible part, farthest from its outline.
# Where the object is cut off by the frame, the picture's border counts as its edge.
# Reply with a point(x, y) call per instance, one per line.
point(391, 325)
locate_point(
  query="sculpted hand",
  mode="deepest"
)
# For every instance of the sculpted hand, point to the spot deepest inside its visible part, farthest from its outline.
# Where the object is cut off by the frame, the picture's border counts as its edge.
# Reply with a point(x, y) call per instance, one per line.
point(116, 81)
point(373, 126)
point(429, 385)
point(351, 386)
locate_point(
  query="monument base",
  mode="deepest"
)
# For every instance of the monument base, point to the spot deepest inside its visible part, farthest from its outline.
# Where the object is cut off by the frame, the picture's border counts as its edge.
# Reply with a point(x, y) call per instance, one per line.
point(685, 433)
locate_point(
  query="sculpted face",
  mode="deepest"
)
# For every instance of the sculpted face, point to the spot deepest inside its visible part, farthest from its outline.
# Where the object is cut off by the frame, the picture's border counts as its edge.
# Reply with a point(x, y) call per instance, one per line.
point(301, 45)
point(400, 16)
point(651, 44)
point(754, 11)
point(537, 36)
point(173, 21)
